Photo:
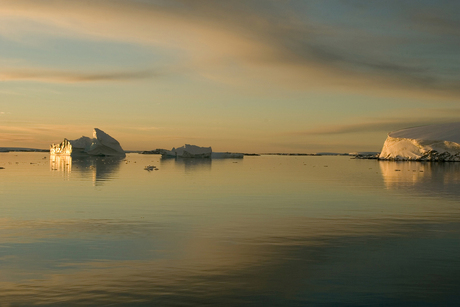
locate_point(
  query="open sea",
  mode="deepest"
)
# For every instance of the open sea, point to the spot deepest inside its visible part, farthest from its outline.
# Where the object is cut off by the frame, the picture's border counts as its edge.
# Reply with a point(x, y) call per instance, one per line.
point(258, 231)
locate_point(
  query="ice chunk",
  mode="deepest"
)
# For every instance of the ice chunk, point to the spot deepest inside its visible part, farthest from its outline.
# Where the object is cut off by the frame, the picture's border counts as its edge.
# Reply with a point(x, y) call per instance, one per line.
point(63, 148)
point(425, 143)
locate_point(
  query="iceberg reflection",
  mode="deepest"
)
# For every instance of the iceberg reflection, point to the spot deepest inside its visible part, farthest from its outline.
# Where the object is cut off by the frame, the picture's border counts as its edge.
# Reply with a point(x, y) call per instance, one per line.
point(189, 164)
point(434, 178)
point(61, 163)
point(99, 169)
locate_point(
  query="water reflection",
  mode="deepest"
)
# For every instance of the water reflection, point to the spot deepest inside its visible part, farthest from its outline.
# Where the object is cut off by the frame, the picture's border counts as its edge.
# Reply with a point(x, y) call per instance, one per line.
point(189, 165)
point(99, 169)
point(426, 178)
point(61, 164)
point(272, 231)
point(293, 264)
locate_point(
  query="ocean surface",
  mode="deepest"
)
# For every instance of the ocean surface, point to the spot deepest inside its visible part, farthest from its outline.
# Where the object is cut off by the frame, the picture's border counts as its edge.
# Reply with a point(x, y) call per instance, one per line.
point(258, 231)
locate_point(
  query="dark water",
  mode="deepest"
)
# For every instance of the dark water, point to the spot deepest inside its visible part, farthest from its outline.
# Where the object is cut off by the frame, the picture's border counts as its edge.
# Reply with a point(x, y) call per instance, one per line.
point(258, 231)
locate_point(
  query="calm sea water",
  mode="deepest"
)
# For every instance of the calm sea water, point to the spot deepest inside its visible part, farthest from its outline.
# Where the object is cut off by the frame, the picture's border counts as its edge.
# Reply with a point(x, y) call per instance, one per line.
point(258, 231)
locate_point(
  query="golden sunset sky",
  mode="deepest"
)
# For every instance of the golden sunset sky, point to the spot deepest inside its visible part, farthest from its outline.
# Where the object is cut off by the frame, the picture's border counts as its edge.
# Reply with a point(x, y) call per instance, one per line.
point(250, 76)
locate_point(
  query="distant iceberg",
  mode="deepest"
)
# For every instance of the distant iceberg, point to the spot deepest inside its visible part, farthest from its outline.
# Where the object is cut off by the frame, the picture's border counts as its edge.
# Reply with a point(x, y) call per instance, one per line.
point(227, 155)
point(101, 144)
point(193, 151)
point(425, 143)
point(189, 151)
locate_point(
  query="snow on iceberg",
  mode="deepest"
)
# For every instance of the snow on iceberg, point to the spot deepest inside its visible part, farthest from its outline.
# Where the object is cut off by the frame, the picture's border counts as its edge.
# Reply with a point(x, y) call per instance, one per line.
point(189, 151)
point(425, 143)
point(101, 144)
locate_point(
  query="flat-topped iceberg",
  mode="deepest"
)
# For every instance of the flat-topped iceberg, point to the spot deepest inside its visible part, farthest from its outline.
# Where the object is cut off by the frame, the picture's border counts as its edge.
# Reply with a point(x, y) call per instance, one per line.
point(101, 144)
point(193, 151)
point(227, 155)
point(425, 143)
point(189, 151)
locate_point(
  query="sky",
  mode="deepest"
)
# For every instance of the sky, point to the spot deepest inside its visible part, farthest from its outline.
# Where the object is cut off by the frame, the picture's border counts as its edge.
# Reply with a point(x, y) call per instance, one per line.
point(249, 76)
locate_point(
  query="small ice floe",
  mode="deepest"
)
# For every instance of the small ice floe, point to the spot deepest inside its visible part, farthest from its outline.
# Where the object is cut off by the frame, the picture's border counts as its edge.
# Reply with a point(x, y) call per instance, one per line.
point(150, 168)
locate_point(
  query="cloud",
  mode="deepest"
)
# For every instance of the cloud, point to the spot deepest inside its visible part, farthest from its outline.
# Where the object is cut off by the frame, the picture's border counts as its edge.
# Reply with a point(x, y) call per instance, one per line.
point(310, 54)
point(444, 22)
point(378, 125)
point(3, 92)
point(36, 135)
point(268, 40)
point(144, 128)
point(15, 138)
point(54, 76)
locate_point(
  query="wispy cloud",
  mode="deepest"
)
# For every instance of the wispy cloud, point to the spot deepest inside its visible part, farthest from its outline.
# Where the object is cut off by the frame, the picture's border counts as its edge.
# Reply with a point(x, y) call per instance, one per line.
point(40, 135)
point(144, 128)
point(7, 92)
point(378, 125)
point(15, 138)
point(439, 21)
point(46, 75)
point(267, 38)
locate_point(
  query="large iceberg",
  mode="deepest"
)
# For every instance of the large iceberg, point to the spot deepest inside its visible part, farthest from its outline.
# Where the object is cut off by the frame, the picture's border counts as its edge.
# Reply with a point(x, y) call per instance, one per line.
point(425, 143)
point(189, 151)
point(101, 144)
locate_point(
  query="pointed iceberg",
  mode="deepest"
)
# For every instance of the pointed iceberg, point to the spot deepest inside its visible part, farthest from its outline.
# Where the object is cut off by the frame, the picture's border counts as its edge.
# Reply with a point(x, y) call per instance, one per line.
point(104, 145)
point(101, 144)
point(425, 143)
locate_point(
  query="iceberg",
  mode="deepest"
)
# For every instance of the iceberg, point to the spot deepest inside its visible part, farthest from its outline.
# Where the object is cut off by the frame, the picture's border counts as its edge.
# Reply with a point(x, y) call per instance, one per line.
point(227, 155)
point(193, 151)
point(425, 143)
point(189, 151)
point(101, 144)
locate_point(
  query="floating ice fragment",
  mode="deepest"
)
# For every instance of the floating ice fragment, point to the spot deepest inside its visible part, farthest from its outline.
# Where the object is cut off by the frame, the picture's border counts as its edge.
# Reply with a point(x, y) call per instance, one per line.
point(150, 168)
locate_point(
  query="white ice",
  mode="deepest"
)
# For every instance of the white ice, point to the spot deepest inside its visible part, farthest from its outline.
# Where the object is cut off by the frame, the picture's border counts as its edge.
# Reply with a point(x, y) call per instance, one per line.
point(426, 143)
point(101, 144)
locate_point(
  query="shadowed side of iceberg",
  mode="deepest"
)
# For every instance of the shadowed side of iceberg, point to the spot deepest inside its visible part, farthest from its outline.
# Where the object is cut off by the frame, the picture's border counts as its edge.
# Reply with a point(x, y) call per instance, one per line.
point(105, 145)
